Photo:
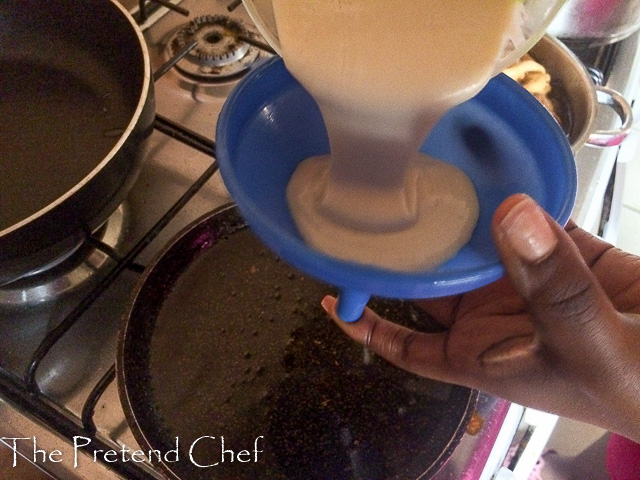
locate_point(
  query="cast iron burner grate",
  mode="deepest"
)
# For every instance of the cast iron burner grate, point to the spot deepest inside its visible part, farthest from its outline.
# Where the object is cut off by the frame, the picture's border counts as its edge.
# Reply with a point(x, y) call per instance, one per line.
point(77, 269)
point(21, 388)
point(222, 52)
point(597, 59)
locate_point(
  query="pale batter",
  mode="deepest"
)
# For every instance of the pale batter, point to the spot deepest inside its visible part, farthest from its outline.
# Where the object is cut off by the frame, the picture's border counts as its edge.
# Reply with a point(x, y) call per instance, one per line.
point(383, 72)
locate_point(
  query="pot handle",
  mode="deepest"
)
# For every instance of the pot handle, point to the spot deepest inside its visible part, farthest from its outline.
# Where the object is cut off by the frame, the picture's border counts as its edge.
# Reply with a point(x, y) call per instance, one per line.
point(611, 138)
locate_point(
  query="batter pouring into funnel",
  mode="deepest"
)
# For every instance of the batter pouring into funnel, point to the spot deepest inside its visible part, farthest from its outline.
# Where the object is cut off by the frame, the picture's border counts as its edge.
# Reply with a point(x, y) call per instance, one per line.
point(383, 72)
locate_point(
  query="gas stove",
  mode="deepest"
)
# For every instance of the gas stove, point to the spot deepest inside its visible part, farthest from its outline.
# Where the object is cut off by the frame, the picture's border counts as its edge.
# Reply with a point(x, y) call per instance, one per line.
point(58, 345)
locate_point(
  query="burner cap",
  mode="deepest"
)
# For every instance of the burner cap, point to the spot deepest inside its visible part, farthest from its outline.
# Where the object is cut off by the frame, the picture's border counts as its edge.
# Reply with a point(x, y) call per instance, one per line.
point(221, 53)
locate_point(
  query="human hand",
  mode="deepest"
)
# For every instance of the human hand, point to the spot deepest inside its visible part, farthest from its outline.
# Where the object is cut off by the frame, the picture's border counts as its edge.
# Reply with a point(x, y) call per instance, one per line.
point(561, 332)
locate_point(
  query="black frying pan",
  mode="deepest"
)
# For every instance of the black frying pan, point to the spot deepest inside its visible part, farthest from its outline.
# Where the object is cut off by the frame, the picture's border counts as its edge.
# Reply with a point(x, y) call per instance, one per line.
point(223, 340)
point(76, 104)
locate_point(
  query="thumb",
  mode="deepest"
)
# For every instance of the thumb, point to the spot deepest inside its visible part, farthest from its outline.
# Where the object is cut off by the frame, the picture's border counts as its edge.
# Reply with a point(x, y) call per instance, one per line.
point(549, 272)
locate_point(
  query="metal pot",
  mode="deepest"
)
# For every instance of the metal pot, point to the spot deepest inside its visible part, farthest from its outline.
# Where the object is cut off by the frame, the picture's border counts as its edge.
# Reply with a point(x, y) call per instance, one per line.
point(577, 97)
point(77, 105)
point(596, 22)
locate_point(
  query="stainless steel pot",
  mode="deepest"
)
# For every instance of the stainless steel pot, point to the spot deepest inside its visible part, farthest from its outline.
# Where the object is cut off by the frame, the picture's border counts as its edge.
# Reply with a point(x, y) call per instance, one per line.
point(77, 105)
point(577, 97)
point(596, 22)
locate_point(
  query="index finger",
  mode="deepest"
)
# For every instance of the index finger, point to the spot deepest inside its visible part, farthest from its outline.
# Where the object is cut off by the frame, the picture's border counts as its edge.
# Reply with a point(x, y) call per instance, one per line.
point(417, 352)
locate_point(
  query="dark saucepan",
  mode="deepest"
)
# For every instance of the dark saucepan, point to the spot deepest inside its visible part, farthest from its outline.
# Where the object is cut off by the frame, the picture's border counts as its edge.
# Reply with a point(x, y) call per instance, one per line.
point(76, 105)
point(223, 340)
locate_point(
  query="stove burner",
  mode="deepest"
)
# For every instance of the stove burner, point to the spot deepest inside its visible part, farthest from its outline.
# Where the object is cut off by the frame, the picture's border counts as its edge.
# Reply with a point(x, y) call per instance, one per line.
point(67, 274)
point(221, 52)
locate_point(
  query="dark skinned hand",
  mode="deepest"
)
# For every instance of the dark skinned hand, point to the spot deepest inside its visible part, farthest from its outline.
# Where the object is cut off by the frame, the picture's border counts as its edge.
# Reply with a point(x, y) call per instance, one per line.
point(560, 333)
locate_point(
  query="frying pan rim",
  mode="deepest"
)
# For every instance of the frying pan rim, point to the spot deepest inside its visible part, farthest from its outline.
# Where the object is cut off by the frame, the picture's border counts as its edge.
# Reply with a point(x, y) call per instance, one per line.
point(123, 378)
point(142, 100)
point(125, 325)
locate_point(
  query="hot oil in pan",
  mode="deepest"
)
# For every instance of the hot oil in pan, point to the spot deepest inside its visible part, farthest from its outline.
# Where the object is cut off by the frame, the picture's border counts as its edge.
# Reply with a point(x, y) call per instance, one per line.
point(56, 126)
point(242, 349)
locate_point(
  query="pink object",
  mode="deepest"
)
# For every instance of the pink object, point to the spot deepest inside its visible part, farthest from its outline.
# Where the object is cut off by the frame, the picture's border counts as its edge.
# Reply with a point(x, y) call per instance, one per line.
point(623, 458)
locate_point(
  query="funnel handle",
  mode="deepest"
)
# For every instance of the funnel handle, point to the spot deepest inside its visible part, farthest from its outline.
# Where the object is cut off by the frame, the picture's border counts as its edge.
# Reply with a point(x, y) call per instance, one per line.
point(351, 304)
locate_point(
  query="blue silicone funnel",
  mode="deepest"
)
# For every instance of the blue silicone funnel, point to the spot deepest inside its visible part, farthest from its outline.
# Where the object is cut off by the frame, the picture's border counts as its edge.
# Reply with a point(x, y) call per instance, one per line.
point(503, 139)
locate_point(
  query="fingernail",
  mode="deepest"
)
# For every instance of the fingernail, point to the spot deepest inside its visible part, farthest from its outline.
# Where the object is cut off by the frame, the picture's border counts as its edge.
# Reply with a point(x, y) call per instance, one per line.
point(328, 303)
point(528, 232)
